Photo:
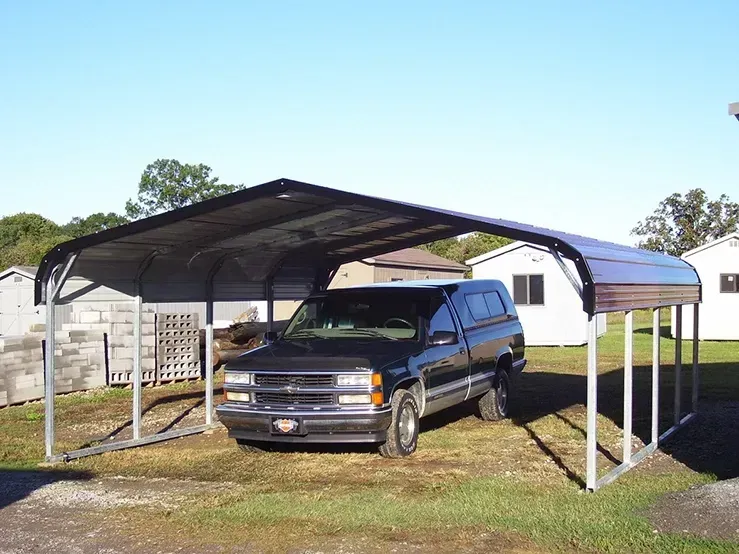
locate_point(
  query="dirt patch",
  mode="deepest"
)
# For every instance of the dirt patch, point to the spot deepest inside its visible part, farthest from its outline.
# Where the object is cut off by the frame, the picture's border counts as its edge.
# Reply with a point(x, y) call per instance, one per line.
point(72, 513)
point(709, 511)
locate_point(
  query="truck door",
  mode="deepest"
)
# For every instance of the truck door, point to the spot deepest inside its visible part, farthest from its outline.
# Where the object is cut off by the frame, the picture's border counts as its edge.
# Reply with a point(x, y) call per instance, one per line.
point(447, 365)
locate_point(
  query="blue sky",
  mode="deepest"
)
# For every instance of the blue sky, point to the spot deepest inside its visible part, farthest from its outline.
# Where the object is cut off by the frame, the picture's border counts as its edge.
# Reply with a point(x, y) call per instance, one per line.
point(578, 116)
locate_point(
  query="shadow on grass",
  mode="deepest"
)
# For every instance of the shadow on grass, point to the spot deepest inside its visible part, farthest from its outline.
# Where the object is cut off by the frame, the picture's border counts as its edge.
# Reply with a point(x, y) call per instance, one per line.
point(158, 402)
point(665, 331)
point(17, 485)
point(708, 445)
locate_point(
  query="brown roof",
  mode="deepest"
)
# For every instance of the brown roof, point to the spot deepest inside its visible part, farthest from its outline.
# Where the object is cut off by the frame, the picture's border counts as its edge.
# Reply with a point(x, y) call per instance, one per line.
point(415, 257)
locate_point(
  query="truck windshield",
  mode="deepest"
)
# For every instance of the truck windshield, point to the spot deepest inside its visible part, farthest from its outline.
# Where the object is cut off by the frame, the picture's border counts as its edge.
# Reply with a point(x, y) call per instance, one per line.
point(371, 315)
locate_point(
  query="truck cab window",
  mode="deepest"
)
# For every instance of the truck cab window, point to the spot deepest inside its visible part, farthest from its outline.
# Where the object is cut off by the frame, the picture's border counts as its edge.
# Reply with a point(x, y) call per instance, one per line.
point(441, 318)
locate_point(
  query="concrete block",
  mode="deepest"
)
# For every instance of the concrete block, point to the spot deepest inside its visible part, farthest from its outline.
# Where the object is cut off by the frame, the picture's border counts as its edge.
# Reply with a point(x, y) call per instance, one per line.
point(87, 350)
point(122, 353)
point(89, 317)
point(87, 336)
point(38, 379)
point(37, 328)
point(72, 348)
point(149, 340)
point(74, 372)
point(3, 398)
point(117, 317)
point(33, 342)
point(120, 365)
point(121, 340)
point(148, 364)
point(121, 329)
point(149, 318)
point(97, 359)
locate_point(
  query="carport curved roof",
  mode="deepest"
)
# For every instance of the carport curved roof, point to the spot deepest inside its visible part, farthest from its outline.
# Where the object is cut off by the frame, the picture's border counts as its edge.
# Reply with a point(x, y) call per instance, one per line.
point(295, 234)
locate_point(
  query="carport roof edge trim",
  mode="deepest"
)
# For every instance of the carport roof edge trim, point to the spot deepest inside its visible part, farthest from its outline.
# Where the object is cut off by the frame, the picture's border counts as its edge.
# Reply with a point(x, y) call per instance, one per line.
point(597, 262)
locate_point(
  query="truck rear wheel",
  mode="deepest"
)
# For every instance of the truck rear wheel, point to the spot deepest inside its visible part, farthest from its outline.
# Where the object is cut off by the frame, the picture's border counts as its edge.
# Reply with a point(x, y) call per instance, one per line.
point(494, 403)
point(402, 436)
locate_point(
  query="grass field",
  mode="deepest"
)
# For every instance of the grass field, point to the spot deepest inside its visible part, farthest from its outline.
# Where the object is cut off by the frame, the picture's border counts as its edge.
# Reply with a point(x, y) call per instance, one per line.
point(508, 486)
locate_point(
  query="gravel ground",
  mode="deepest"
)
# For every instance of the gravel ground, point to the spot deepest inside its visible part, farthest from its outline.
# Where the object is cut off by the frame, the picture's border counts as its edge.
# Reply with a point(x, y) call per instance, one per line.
point(710, 511)
point(68, 514)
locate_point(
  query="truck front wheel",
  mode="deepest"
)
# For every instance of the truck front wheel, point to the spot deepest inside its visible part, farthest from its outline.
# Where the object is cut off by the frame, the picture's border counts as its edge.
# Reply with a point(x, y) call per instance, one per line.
point(402, 436)
point(494, 403)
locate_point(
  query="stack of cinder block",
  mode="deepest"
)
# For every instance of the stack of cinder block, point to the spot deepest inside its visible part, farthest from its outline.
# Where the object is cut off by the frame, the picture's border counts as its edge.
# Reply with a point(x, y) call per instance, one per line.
point(116, 320)
point(79, 360)
point(178, 347)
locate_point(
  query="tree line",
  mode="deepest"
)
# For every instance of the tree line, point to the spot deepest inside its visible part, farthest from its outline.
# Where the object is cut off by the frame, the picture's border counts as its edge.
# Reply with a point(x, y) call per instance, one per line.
point(164, 185)
point(680, 222)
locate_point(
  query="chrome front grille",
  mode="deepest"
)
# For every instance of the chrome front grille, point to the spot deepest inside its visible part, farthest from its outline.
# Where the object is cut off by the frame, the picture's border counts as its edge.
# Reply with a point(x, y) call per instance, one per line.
point(292, 380)
point(291, 399)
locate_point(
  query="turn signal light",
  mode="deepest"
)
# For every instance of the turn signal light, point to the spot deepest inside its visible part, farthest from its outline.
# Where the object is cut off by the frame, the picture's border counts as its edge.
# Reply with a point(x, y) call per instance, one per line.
point(377, 379)
point(377, 399)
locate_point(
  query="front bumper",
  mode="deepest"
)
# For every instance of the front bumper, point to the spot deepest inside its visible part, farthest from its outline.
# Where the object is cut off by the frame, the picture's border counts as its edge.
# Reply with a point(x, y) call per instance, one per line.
point(326, 425)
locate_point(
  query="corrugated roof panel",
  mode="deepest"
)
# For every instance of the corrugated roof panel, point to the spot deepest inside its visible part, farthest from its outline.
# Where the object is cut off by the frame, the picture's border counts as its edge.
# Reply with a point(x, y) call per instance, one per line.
point(270, 226)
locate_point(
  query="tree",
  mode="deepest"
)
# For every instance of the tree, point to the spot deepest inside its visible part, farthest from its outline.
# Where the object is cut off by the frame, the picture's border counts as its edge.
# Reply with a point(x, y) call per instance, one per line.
point(681, 223)
point(168, 184)
point(463, 248)
point(81, 226)
point(25, 238)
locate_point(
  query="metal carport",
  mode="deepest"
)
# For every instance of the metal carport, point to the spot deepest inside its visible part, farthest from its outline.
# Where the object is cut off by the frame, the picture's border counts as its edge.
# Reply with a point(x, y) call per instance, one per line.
point(283, 239)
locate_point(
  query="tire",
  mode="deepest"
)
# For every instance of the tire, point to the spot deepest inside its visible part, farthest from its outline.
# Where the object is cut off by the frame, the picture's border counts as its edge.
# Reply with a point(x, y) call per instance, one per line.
point(249, 447)
point(494, 403)
point(402, 436)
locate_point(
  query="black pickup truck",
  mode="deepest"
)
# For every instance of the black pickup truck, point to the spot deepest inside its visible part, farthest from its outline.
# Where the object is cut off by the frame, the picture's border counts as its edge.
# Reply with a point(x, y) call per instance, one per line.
point(364, 364)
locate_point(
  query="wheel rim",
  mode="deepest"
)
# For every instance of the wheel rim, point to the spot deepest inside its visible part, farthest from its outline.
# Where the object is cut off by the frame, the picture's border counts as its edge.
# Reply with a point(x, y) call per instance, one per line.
point(407, 426)
point(502, 394)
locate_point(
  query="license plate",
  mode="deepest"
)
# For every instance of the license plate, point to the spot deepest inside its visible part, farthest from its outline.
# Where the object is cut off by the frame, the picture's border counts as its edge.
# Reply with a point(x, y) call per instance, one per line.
point(285, 426)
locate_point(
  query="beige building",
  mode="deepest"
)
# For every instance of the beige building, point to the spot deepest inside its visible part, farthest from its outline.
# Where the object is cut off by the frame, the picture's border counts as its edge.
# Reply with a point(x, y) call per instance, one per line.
point(409, 264)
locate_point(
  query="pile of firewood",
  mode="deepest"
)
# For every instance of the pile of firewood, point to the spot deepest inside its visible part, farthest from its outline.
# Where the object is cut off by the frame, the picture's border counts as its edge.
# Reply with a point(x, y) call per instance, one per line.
point(233, 341)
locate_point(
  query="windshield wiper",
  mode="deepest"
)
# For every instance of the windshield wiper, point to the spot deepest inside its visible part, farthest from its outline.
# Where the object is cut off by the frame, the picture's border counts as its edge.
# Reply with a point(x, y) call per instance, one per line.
point(302, 333)
point(367, 332)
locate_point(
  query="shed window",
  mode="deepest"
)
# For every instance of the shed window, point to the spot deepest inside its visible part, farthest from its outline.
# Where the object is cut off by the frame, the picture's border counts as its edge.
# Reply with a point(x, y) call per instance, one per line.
point(17, 279)
point(528, 290)
point(730, 283)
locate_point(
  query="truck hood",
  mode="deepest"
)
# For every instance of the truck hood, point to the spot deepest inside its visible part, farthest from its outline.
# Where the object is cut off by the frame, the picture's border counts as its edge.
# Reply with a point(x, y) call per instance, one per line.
point(325, 354)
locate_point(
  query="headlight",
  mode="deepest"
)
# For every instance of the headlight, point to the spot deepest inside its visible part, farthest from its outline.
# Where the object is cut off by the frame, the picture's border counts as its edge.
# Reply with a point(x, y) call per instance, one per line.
point(355, 399)
point(238, 396)
point(354, 380)
point(238, 378)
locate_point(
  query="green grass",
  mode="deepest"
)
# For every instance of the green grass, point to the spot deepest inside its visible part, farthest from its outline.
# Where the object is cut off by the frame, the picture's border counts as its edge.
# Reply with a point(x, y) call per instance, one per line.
point(515, 480)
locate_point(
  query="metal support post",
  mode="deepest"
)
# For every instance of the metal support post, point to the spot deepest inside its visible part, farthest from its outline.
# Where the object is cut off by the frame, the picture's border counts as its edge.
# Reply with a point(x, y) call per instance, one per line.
point(592, 404)
point(137, 304)
point(628, 384)
point(678, 362)
point(655, 375)
point(696, 366)
point(53, 288)
point(49, 369)
point(209, 352)
point(270, 294)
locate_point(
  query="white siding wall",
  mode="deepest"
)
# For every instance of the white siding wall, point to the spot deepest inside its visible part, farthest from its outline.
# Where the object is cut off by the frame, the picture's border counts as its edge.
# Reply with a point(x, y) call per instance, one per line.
point(17, 311)
point(719, 313)
point(561, 320)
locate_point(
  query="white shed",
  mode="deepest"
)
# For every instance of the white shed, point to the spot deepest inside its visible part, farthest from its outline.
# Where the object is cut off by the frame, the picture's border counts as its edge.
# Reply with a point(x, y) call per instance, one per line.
point(17, 310)
point(717, 264)
point(549, 307)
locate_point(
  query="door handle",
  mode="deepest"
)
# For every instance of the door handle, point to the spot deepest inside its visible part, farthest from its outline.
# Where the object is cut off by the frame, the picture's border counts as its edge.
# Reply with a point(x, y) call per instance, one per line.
point(462, 351)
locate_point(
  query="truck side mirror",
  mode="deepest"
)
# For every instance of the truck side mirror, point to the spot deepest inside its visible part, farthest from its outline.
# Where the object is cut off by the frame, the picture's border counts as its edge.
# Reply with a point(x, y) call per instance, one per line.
point(270, 337)
point(443, 337)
